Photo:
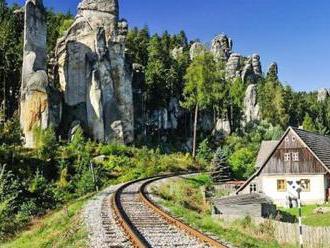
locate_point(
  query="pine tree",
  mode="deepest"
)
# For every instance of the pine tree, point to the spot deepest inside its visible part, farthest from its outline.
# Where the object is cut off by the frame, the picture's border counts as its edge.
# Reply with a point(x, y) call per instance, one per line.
point(309, 124)
point(221, 172)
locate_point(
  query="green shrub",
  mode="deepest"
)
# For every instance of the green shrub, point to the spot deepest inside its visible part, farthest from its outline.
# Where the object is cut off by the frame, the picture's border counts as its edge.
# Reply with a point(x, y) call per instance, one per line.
point(46, 143)
point(242, 162)
point(115, 149)
point(186, 193)
point(10, 132)
point(204, 151)
point(85, 184)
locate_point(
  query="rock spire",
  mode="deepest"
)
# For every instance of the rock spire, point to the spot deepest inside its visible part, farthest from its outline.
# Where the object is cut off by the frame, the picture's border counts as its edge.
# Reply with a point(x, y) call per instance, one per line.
point(34, 104)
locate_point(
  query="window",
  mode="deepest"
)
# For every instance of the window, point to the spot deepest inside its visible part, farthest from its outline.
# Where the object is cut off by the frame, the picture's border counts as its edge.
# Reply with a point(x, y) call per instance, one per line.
point(281, 185)
point(295, 156)
point(305, 184)
point(293, 138)
point(287, 156)
point(253, 188)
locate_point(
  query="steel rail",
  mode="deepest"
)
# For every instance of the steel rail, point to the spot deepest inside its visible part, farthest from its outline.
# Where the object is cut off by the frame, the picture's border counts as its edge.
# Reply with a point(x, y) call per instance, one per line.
point(133, 233)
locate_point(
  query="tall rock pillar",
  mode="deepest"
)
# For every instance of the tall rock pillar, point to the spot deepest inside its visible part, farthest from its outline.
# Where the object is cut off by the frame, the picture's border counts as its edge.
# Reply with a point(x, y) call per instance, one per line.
point(94, 75)
point(34, 106)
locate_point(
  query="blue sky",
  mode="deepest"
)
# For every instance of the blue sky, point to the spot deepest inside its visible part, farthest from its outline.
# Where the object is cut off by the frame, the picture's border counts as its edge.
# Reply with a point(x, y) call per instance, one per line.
point(294, 33)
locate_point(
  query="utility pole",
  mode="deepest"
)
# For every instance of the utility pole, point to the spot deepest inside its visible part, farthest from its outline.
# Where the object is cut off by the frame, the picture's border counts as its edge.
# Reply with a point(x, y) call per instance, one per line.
point(301, 241)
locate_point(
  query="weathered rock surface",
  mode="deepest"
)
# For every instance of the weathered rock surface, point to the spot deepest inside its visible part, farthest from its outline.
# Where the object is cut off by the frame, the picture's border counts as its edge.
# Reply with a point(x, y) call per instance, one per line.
point(251, 106)
point(252, 70)
point(196, 49)
point(322, 95)
point(233, 66)
point(34, 105)
point(221, 47)
point(223, 126)
point(177, 52)
point(94, 76)
point(273, 71)
point(256, 65)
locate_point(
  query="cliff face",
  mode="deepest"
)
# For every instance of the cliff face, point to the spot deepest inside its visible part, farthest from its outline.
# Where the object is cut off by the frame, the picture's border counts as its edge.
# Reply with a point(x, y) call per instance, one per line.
point(94, 77)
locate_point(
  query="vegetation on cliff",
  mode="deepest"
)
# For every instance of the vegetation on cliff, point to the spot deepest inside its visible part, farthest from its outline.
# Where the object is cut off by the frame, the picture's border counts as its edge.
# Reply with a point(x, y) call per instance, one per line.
point(33, 182)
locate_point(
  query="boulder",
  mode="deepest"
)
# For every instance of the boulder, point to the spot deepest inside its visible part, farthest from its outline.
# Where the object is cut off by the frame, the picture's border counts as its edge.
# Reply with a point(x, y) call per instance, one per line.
point(223, 126)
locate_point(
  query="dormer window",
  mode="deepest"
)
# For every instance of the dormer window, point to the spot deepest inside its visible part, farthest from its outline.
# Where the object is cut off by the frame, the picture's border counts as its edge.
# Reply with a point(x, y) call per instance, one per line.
point(287, 156)
point(295, 156)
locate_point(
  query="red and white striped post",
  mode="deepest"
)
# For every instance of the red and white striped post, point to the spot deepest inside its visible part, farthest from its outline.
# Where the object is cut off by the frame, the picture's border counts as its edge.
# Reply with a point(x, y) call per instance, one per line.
point(301, 241)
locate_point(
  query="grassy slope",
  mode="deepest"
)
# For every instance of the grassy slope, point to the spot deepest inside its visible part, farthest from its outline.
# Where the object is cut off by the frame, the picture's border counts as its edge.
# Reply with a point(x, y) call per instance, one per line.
point(239, 234)
point(62, 228)
point(309, 218)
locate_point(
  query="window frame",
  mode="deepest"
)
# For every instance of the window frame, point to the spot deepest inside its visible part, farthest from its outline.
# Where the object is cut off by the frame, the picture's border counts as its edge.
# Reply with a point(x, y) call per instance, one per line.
point(281, 185)
point(287, 156)
point(253, 188)
point(295, 157)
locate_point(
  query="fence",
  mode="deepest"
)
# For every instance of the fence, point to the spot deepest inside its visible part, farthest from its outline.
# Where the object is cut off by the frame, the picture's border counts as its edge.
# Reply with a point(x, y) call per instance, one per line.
point(314, 237)
point(288, 233)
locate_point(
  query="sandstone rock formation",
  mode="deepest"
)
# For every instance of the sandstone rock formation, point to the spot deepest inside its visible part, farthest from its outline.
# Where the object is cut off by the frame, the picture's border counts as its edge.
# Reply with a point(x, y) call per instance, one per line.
point(196, 49)
point(34, 105)
point(223, 126)
point(221, 47)
point(256, 65)
point(233, 66)
point(248, 68)
point(94, 77)
point(273, 71)
point(177, 52)
point(322, 95)
point(251, 106)
point(252, 69)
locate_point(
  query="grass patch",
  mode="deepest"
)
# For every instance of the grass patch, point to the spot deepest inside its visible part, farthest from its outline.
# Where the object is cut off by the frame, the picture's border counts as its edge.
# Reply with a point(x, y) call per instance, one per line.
point(181, 196)
point(308, 217)
point(62, 228)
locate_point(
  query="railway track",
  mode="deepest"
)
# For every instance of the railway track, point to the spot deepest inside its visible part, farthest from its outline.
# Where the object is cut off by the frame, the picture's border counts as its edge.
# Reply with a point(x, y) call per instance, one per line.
point(147, 225)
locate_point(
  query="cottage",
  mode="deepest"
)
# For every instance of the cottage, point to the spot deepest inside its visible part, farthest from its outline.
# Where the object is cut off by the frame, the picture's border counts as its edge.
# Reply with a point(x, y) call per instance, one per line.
point(299, 158)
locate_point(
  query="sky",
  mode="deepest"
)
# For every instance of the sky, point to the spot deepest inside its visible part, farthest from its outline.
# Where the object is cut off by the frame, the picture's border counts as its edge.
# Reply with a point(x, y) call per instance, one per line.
point(293, 33)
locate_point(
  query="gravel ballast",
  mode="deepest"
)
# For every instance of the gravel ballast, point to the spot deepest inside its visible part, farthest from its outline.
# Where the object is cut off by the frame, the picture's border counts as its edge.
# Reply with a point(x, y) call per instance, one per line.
point(102, 228)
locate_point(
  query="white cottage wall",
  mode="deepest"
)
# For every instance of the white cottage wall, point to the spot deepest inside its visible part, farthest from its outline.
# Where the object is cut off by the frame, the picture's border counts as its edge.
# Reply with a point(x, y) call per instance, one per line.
point(316, 195)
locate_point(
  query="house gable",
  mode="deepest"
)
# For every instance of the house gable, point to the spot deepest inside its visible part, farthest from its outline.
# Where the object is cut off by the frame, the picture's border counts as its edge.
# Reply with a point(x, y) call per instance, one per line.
point(312, 162)
point(292, 156)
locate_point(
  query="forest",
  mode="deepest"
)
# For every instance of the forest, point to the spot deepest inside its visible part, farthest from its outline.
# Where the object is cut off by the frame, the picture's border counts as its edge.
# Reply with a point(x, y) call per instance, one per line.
point(33, 181)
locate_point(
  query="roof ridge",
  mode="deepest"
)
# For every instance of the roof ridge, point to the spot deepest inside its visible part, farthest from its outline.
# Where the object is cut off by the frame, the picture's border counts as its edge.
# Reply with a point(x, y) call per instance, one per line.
point(310, 132)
